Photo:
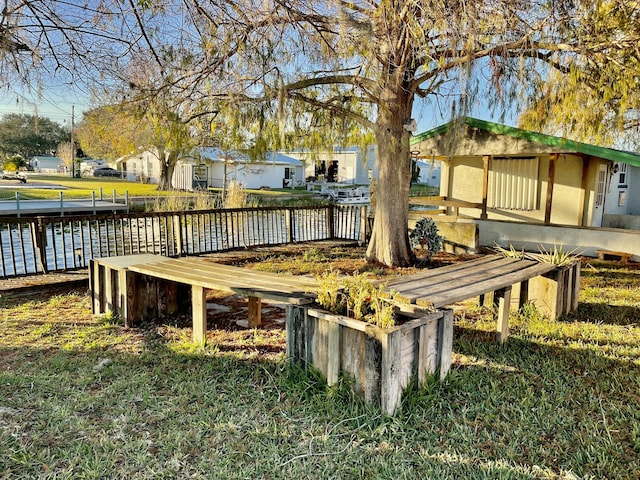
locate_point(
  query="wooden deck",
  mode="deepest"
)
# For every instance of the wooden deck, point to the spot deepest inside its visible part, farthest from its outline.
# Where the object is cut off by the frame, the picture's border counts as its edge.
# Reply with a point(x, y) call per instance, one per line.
point(138, 287)
point(129, 286)
point(490, 274)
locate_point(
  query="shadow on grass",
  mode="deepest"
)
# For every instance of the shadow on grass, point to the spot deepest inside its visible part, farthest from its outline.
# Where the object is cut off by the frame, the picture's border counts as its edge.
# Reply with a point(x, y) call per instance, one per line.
point(138, 401)
point(604, 313)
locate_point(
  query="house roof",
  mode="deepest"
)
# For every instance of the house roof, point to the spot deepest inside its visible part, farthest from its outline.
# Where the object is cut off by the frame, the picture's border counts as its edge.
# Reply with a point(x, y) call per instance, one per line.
point(274, 158)
point(612, 154)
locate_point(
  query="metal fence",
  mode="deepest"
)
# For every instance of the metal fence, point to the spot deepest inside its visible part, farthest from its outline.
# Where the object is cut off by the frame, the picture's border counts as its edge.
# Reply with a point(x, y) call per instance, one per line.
point(51, 244)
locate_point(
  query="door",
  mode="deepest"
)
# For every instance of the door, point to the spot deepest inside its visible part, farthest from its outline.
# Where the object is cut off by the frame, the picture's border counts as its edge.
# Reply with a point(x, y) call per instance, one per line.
point(601, 193)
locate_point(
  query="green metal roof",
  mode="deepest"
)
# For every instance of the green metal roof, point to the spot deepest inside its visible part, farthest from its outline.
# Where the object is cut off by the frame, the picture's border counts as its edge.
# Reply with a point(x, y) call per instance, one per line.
point(568, 145)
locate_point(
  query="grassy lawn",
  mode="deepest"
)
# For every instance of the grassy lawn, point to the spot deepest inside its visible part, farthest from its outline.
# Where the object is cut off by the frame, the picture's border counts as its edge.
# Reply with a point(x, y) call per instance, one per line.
point(77, 188)
point(82, 397)
point(53, 185)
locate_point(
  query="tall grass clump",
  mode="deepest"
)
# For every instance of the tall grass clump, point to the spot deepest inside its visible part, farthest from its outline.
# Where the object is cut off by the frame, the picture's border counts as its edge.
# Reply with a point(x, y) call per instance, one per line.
point(235, 195)
point(180, 203)
point(555, 256)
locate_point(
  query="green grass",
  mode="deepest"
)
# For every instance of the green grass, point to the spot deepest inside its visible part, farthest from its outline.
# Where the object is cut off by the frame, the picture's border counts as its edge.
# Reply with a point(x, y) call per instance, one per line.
point(82, 397)
point(79, 188)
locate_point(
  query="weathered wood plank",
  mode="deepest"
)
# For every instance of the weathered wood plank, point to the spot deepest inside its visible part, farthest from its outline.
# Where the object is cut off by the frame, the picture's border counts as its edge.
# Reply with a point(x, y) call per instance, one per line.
point(255, 312)
point(199, 306)
point(445, 342)
point(333, 353)
point(575, 294)
point(232, 279)
point(411, 293)
point(524, 293)
point(436, 275)
point(428, 350)
point(504, 300)
point(391, 379)
point(475, 289)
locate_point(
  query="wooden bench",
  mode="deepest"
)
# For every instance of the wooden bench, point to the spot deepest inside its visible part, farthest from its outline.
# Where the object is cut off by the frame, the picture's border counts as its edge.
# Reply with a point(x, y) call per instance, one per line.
point(131, 285)
point(553, 289)
point(622, 256)
point(135, 286)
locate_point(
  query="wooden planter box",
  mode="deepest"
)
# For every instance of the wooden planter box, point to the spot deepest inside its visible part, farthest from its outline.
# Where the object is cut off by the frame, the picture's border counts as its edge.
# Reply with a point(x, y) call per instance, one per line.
point(381, 363)
point(556, 293)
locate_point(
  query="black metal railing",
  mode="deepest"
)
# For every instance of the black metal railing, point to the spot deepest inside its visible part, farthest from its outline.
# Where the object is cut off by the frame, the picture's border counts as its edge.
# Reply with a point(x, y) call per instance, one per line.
point(50, 244)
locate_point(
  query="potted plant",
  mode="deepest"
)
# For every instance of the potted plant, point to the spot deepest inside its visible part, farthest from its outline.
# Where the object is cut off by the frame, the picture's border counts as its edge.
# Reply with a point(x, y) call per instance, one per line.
point(355, 330)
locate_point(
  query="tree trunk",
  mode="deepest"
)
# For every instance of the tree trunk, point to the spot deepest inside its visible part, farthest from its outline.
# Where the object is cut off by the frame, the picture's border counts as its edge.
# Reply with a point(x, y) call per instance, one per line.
point(389, 242)
point(167, 165)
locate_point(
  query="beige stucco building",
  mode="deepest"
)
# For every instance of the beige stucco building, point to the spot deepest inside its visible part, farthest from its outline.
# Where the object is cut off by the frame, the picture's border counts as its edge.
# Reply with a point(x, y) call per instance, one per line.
point(497, 172)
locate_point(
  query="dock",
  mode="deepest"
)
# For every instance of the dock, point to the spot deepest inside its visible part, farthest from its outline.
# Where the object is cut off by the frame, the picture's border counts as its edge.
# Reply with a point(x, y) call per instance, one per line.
point(9, 208)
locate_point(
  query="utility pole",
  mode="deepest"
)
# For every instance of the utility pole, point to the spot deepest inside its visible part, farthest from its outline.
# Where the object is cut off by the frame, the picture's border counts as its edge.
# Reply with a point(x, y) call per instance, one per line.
point(73, 146)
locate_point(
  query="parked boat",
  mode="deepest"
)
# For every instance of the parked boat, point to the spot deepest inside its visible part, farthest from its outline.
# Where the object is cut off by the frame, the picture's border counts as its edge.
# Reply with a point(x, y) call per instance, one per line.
point(351, 196)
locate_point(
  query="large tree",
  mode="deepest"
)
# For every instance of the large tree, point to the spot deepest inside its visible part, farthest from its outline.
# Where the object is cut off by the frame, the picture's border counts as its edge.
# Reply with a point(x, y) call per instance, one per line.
point(313, 73)
point(600, 101)
point(123, 129)
point(29, 135)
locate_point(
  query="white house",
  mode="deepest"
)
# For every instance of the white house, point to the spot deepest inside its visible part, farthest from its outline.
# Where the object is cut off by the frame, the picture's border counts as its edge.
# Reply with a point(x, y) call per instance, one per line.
point(276, 170)
point(430, 172)
point(349, 165)
point(141, 167)
point(47, 164)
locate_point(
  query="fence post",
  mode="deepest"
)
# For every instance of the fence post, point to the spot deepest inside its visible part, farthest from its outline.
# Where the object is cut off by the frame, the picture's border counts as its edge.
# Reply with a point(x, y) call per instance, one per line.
point(39, 240)
point(93, 201)
point(61, 206)
point(363, 223)
point(100, 193)
point(177, 234)
point(289, 223)
point(18, 204)
point(330, 221)
point(126, 199)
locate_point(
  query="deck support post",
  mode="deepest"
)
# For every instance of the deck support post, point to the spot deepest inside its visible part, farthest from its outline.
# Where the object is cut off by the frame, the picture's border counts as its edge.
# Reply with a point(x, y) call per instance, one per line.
point(503, 297)
point(255, 312)
point(199, 307)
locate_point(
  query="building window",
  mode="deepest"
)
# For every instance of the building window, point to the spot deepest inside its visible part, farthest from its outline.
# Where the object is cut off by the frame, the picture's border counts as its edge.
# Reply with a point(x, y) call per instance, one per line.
point(513, 183)
point(289, 173)
point(622, 175)
point(600, 187)
point(622, 198)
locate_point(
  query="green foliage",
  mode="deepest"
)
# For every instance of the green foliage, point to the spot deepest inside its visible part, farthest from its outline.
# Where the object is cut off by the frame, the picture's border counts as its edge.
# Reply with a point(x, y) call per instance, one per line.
point(28, 135)
point(555, 256)
point(12, 163)
point(511, 252)
point(355, 296)
point(329, 291)
point(424, 236)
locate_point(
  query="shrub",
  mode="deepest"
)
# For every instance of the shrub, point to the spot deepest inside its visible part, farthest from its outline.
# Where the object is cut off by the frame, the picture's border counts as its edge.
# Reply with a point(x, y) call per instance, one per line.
point(355, 296)
point(425, 237)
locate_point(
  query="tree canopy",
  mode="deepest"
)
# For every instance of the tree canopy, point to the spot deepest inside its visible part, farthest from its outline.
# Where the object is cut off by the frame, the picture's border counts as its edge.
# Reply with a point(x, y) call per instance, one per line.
point(293, 73)
point(315, 73)
point(29, 135)
point(598, 101)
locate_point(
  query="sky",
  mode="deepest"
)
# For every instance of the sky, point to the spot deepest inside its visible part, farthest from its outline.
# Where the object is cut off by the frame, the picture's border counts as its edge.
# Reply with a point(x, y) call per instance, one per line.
point(55, 104)
point(58, 103)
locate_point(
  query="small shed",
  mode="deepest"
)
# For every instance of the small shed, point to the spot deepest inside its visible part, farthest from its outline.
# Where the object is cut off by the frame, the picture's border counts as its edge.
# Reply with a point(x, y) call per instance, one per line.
point(511, 174)
point(275, 170)
point(47, 164)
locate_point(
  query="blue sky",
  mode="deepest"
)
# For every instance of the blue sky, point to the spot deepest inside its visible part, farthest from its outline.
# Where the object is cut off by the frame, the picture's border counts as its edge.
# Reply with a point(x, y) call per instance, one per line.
point(54, 104)
point(57, 104)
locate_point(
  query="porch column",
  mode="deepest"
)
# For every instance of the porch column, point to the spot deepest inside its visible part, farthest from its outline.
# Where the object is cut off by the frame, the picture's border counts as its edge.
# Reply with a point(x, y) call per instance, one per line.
point(486, 166)
point(553, 158)
point(583, 190)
